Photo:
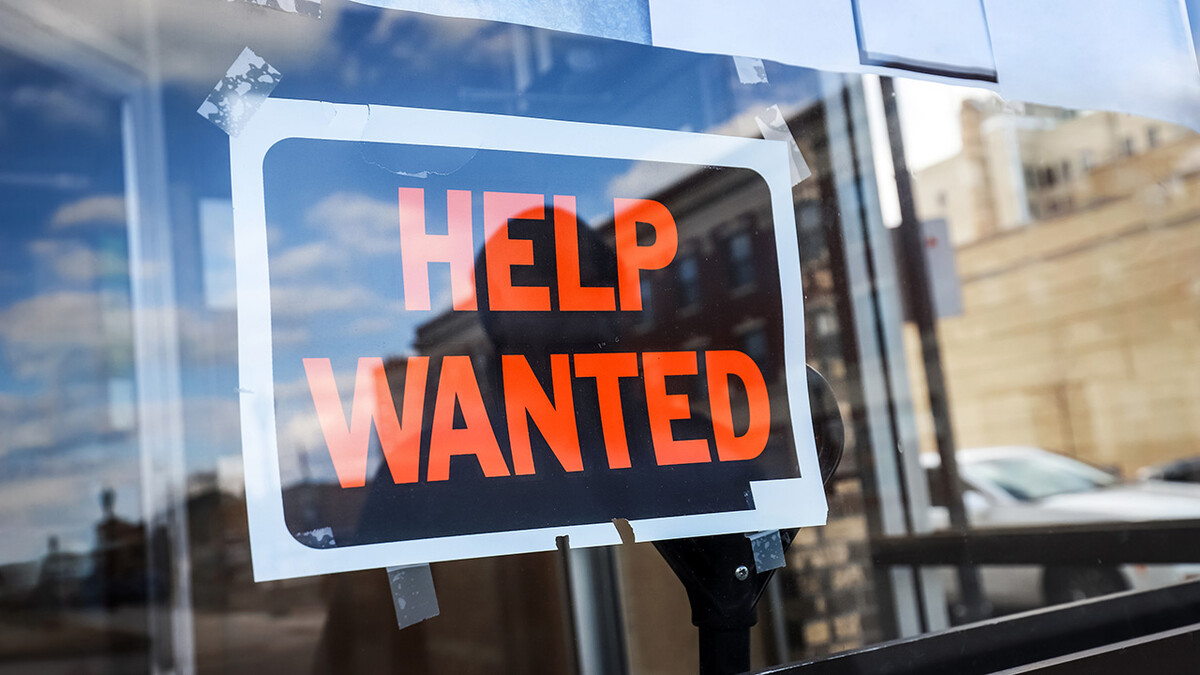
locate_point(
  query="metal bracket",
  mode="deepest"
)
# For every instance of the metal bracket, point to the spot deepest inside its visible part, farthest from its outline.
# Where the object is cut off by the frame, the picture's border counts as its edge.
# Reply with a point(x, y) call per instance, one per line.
point(723, 583)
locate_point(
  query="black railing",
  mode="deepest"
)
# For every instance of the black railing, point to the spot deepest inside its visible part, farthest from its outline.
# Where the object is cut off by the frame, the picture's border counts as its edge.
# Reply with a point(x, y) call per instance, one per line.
point(1158, 629)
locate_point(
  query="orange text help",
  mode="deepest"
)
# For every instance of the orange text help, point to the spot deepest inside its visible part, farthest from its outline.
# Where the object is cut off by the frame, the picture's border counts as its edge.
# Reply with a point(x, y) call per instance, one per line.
point(456, 247)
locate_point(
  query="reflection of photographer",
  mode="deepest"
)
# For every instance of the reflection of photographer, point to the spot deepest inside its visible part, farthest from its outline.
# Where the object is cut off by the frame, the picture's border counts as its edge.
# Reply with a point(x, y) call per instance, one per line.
point(557, 414)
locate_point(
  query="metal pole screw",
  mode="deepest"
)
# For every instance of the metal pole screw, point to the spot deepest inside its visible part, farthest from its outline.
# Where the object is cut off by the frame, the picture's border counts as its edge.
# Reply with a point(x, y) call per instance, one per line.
point(742, 573)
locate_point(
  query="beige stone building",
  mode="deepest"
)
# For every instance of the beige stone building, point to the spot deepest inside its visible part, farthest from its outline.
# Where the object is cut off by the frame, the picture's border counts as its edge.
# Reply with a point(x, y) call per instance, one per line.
point(1077, 240)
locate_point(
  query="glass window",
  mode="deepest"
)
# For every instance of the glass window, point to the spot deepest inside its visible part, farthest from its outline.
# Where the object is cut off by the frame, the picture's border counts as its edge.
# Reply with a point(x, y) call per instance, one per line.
point(1046, 342)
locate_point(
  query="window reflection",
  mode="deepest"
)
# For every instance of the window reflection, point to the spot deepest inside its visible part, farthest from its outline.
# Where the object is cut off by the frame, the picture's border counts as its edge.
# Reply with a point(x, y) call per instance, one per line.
point(1075, 349)
point(1074, 238)
point(73, 565)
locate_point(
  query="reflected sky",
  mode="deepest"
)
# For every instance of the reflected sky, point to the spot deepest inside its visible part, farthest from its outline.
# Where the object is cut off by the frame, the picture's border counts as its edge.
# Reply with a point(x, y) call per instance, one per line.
point(66, 378)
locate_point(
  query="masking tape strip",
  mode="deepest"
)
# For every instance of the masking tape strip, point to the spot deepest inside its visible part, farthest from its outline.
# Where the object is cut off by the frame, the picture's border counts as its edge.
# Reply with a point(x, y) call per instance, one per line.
point(773, 126)
point(413, 594)
point(309, 8)
point(235, 99)
point(750, 70)
point(768, 550)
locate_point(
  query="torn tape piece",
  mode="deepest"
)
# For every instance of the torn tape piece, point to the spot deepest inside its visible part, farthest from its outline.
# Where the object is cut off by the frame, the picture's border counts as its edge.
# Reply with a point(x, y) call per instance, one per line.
point(413, 594)
point(235, 99)
point(767, 547)
point(309, 8)
point(773, 126)
point(750, 70)
point(319, 538)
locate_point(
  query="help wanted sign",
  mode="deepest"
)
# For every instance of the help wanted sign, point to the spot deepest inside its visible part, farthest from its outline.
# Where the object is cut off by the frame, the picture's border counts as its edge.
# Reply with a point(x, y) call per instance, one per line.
point(465, 335)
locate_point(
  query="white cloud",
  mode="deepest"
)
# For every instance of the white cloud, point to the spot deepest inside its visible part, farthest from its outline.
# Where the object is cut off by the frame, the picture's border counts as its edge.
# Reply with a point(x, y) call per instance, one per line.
point(274, 235)
point(95, 210)
point(68, 106)
point(71, 260)
point(53, 181)
point(215, 420)
point(364, 224)
point(207, 337)
point(52, 333)
point(369, 325)
point(58, 318)
point(307, 300)
point(301, 261)
point(59, 417)
point(289, 337)
point(291, 393)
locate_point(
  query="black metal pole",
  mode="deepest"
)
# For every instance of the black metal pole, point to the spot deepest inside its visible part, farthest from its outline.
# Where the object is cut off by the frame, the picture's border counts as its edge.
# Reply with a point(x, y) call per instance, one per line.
point(724, 651)
point(719, 573)
point(915, 276)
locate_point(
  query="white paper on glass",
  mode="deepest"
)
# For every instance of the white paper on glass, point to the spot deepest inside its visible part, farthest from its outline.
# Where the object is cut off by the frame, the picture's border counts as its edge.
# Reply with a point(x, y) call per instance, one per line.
point(275, 553)
point(1134, 56)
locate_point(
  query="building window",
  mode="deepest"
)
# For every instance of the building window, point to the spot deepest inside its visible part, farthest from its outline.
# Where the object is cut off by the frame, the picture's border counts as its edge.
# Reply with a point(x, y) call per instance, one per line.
point(741, 260)
point(826, 324)
point(754, 345)
point(1152, 137)
point(1087, 161)
point(1066, 170)
point(645, 318)
point(808, 214)
point(688, 287)
point(1127, 147)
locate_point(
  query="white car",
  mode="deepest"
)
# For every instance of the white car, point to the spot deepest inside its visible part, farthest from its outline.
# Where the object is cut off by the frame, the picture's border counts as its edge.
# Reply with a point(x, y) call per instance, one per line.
point(1026, 486)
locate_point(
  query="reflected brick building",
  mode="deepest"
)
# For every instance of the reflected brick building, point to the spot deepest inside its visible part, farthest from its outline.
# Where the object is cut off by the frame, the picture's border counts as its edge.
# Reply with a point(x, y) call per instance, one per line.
point(1077, 239)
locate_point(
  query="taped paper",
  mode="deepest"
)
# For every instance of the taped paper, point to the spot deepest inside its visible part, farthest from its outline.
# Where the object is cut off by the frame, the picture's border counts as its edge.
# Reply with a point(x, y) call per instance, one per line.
point(413, 594)
point(899, 35)
point(773, 126)
point(235, 99)
point(286, 135)
point(310, 8)
point(768, 550)
point(1135, 56)
point(627, 20)
point(750, 70)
